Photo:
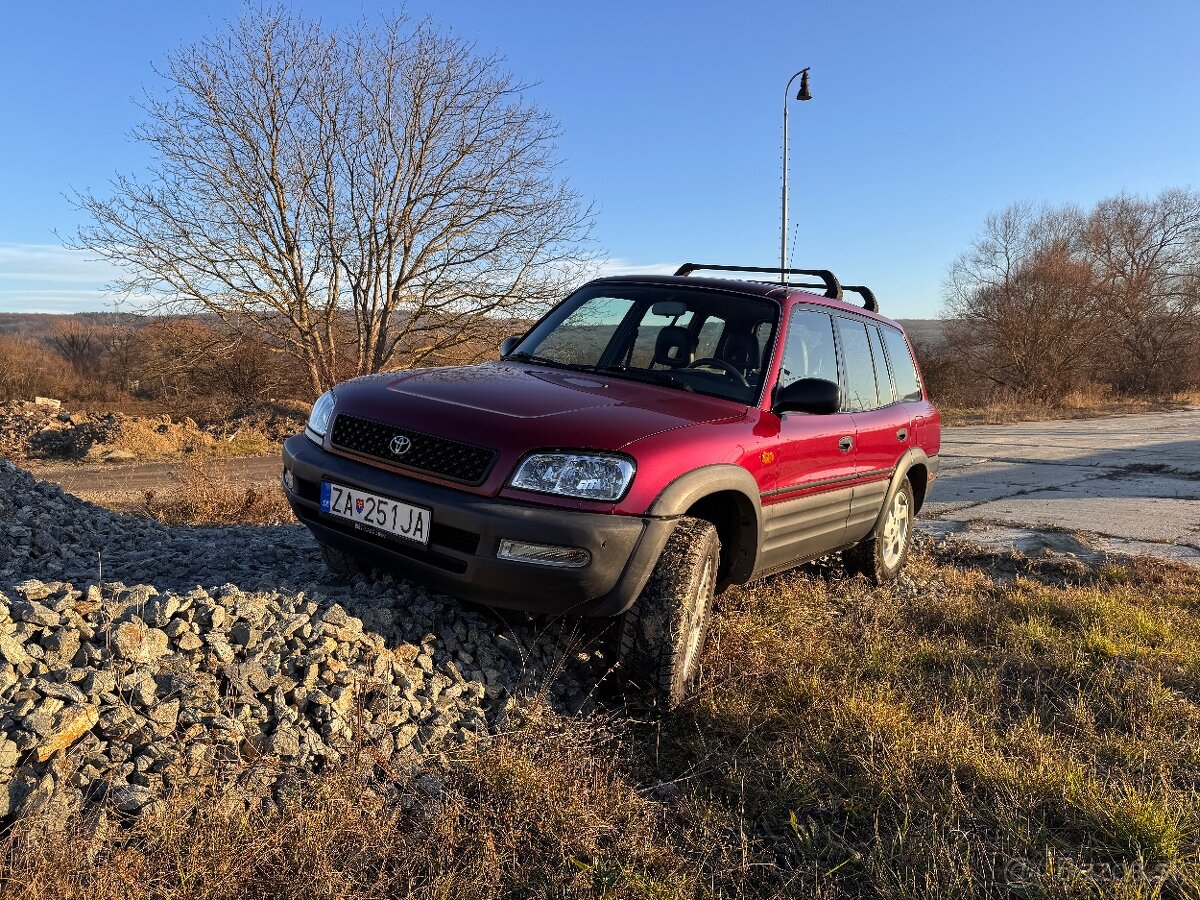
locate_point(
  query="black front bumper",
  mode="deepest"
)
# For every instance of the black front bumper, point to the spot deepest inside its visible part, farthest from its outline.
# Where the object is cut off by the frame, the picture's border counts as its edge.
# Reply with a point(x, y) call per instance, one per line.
point(460, 558)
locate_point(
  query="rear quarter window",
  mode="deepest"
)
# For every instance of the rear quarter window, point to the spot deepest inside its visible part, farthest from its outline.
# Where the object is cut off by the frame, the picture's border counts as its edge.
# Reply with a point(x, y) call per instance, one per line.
point(883, 381)
point(904, 370)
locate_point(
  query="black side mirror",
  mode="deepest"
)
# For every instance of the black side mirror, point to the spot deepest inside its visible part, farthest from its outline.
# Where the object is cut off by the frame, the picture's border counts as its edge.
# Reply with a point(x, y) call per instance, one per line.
point(506, 346)
point(816, 396)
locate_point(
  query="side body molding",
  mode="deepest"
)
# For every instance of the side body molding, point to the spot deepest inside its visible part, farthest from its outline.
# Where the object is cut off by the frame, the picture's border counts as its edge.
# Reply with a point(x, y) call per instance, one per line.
point(739, 485)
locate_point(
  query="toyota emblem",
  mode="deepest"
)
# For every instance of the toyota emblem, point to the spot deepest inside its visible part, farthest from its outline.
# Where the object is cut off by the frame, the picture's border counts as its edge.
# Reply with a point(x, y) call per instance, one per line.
point(400, 445)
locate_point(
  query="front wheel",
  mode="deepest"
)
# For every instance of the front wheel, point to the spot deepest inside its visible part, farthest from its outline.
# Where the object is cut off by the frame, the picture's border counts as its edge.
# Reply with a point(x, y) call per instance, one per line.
point(663, 633)
point(881, 555)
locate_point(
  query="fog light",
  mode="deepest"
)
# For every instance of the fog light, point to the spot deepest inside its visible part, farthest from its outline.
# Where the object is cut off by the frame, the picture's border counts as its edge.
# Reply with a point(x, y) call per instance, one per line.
point(289, 480)
point(544, 554)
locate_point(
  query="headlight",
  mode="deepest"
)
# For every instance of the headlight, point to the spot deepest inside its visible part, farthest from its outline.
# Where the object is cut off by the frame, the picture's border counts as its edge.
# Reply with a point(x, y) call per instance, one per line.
point(322, 412)
point(590, 477)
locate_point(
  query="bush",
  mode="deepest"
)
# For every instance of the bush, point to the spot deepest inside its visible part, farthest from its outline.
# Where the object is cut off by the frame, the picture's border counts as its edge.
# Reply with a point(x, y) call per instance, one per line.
point(29, 368)
point(206, 495)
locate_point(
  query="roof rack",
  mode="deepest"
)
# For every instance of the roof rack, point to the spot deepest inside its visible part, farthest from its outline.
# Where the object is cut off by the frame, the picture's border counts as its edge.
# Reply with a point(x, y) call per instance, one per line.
point(833, 290)
point(870, 304)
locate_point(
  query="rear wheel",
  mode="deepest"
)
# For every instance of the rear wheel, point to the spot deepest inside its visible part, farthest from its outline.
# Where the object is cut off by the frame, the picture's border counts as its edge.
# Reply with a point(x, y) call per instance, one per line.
point(342, 563)
point(663, 633)
point(881, 556)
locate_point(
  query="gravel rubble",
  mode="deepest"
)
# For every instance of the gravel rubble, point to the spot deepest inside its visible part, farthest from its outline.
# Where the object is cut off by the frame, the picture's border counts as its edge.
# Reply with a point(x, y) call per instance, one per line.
point(41, 432)
point(137, 659)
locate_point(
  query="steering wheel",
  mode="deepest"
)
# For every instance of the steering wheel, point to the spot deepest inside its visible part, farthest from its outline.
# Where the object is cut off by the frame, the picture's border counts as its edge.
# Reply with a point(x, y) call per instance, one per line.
point(714, 363)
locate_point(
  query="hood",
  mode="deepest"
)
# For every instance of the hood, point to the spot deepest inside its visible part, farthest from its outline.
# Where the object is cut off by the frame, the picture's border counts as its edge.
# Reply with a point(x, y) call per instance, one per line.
point(515, 407)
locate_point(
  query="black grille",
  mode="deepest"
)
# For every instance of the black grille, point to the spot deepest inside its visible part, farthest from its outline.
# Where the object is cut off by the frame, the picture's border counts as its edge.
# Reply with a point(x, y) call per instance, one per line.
point(426, 453)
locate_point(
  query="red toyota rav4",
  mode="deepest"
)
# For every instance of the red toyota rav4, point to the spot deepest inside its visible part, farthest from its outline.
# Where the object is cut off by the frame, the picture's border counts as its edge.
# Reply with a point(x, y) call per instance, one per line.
point(650, 441)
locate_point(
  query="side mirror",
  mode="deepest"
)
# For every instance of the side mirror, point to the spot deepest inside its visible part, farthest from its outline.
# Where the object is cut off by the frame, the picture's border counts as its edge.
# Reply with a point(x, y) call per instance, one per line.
point(506, 346)
point(816, 396)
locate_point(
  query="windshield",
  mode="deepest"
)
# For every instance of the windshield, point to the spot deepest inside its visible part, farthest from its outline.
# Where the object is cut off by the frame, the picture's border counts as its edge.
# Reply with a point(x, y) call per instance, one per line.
point(689, 339)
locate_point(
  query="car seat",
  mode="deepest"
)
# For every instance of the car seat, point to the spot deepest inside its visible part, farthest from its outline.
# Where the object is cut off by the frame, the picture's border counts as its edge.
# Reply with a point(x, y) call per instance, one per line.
point(742, 352)
point(675, 347)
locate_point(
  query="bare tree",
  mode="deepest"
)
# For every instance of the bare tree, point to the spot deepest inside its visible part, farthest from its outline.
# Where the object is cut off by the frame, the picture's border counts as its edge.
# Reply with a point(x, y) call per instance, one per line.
point(1022, 303)
point(76, 340)
point(363, 200)
point(1146, 253)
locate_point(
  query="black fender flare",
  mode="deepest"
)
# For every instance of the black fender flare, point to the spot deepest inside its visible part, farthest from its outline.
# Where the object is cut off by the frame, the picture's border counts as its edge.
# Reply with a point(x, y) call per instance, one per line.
point(688, 489)
point(914, 456)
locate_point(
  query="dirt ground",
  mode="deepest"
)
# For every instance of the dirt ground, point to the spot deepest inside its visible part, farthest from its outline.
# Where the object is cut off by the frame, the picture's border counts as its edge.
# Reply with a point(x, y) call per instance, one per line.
point(123, 487)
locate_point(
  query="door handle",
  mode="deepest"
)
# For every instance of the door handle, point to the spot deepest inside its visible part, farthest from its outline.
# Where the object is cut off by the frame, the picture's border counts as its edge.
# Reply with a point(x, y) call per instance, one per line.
point(902, 434)
point(845, 443)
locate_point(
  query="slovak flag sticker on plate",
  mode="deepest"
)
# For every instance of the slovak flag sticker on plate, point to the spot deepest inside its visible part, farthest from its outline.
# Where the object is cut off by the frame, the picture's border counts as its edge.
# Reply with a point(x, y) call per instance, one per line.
point(358, 504)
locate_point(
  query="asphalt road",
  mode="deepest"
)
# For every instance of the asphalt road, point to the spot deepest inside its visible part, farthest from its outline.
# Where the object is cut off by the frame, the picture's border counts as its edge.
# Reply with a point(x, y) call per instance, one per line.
point(123, 485)
point(1124, 484)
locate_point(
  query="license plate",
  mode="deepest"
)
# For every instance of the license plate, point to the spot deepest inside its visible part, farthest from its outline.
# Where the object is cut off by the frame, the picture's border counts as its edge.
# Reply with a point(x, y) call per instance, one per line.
point(374, 513)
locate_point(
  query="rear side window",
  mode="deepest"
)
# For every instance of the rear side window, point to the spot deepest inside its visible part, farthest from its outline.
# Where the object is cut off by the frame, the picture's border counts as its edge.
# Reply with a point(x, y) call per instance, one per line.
point(883, 381)
point(860, 370)
point(810, 351)
point(904, 370)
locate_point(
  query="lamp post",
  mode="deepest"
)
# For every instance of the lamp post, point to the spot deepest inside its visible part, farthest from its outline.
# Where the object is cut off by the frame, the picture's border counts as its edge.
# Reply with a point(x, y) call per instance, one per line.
point(802, 94)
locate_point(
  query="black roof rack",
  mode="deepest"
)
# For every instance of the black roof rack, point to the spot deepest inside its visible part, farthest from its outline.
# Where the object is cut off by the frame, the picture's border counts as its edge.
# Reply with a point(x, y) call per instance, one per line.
point(869, 302)
point(833, 290)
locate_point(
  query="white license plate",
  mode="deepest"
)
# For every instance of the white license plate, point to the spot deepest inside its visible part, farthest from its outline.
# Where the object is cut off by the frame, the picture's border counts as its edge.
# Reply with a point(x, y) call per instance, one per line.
point(374, 513)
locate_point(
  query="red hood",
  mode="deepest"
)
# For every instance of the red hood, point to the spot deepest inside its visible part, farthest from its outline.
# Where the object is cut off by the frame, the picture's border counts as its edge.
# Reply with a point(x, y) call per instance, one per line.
point(515, 408)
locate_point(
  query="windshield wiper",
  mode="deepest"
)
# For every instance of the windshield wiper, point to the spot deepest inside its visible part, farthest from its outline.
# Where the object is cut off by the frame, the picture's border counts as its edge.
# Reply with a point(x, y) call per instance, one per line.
point(546, 361)
point(664, 378)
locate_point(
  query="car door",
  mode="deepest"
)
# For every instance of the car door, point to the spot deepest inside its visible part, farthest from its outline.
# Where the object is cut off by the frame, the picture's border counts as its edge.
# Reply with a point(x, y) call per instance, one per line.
point(916, 410)
point(880, 425)
point(805, 514)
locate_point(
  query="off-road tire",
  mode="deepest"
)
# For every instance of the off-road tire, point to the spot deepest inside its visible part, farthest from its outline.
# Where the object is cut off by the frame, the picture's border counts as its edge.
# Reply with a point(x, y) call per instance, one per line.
point(882, 554)
point(662, 634)
point(340, 562)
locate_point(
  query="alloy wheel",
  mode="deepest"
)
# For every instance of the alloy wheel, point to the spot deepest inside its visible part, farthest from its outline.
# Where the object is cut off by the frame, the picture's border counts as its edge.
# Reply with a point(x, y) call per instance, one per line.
point(895, 530)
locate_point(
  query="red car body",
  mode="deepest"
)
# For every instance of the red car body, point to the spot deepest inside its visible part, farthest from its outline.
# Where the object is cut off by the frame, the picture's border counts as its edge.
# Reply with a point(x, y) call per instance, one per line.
point(754, 466)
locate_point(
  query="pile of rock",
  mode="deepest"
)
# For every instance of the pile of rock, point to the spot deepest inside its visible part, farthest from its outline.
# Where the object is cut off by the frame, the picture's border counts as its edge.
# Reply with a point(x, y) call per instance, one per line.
point(43, 432)
point(118, 694)
point(124, 694)
point(276, 421)
point(20, 422)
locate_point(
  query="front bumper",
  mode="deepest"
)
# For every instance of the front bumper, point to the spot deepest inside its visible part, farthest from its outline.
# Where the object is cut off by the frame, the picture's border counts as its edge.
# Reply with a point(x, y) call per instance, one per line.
point(460, 558)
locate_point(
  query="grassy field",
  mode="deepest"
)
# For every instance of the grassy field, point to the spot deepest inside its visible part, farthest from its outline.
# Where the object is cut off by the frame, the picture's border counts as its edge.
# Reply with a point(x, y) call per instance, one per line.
point(989, 726)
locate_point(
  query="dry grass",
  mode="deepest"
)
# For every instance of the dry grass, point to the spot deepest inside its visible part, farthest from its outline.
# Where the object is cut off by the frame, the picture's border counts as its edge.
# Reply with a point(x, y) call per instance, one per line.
point(151, 439)
point(1084, 403)
point(545, 811)
point(1004, 727)
point(987, 731)
point(206, 495)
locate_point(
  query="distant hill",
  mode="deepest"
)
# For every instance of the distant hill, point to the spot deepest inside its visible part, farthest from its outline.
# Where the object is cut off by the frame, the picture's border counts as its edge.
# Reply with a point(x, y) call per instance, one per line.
point(924, 331)
point(40, 325)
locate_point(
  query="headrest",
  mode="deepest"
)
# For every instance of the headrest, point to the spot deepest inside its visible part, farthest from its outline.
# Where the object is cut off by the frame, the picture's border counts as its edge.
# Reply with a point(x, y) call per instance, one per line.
point(741, 351)
point(675, 347)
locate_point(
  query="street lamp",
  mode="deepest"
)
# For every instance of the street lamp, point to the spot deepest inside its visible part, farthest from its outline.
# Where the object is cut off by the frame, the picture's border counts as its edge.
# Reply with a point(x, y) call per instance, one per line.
point(803, 94)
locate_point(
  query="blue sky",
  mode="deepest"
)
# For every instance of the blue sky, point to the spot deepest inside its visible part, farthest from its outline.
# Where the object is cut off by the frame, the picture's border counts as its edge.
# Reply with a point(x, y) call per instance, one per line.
point(925, 117)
